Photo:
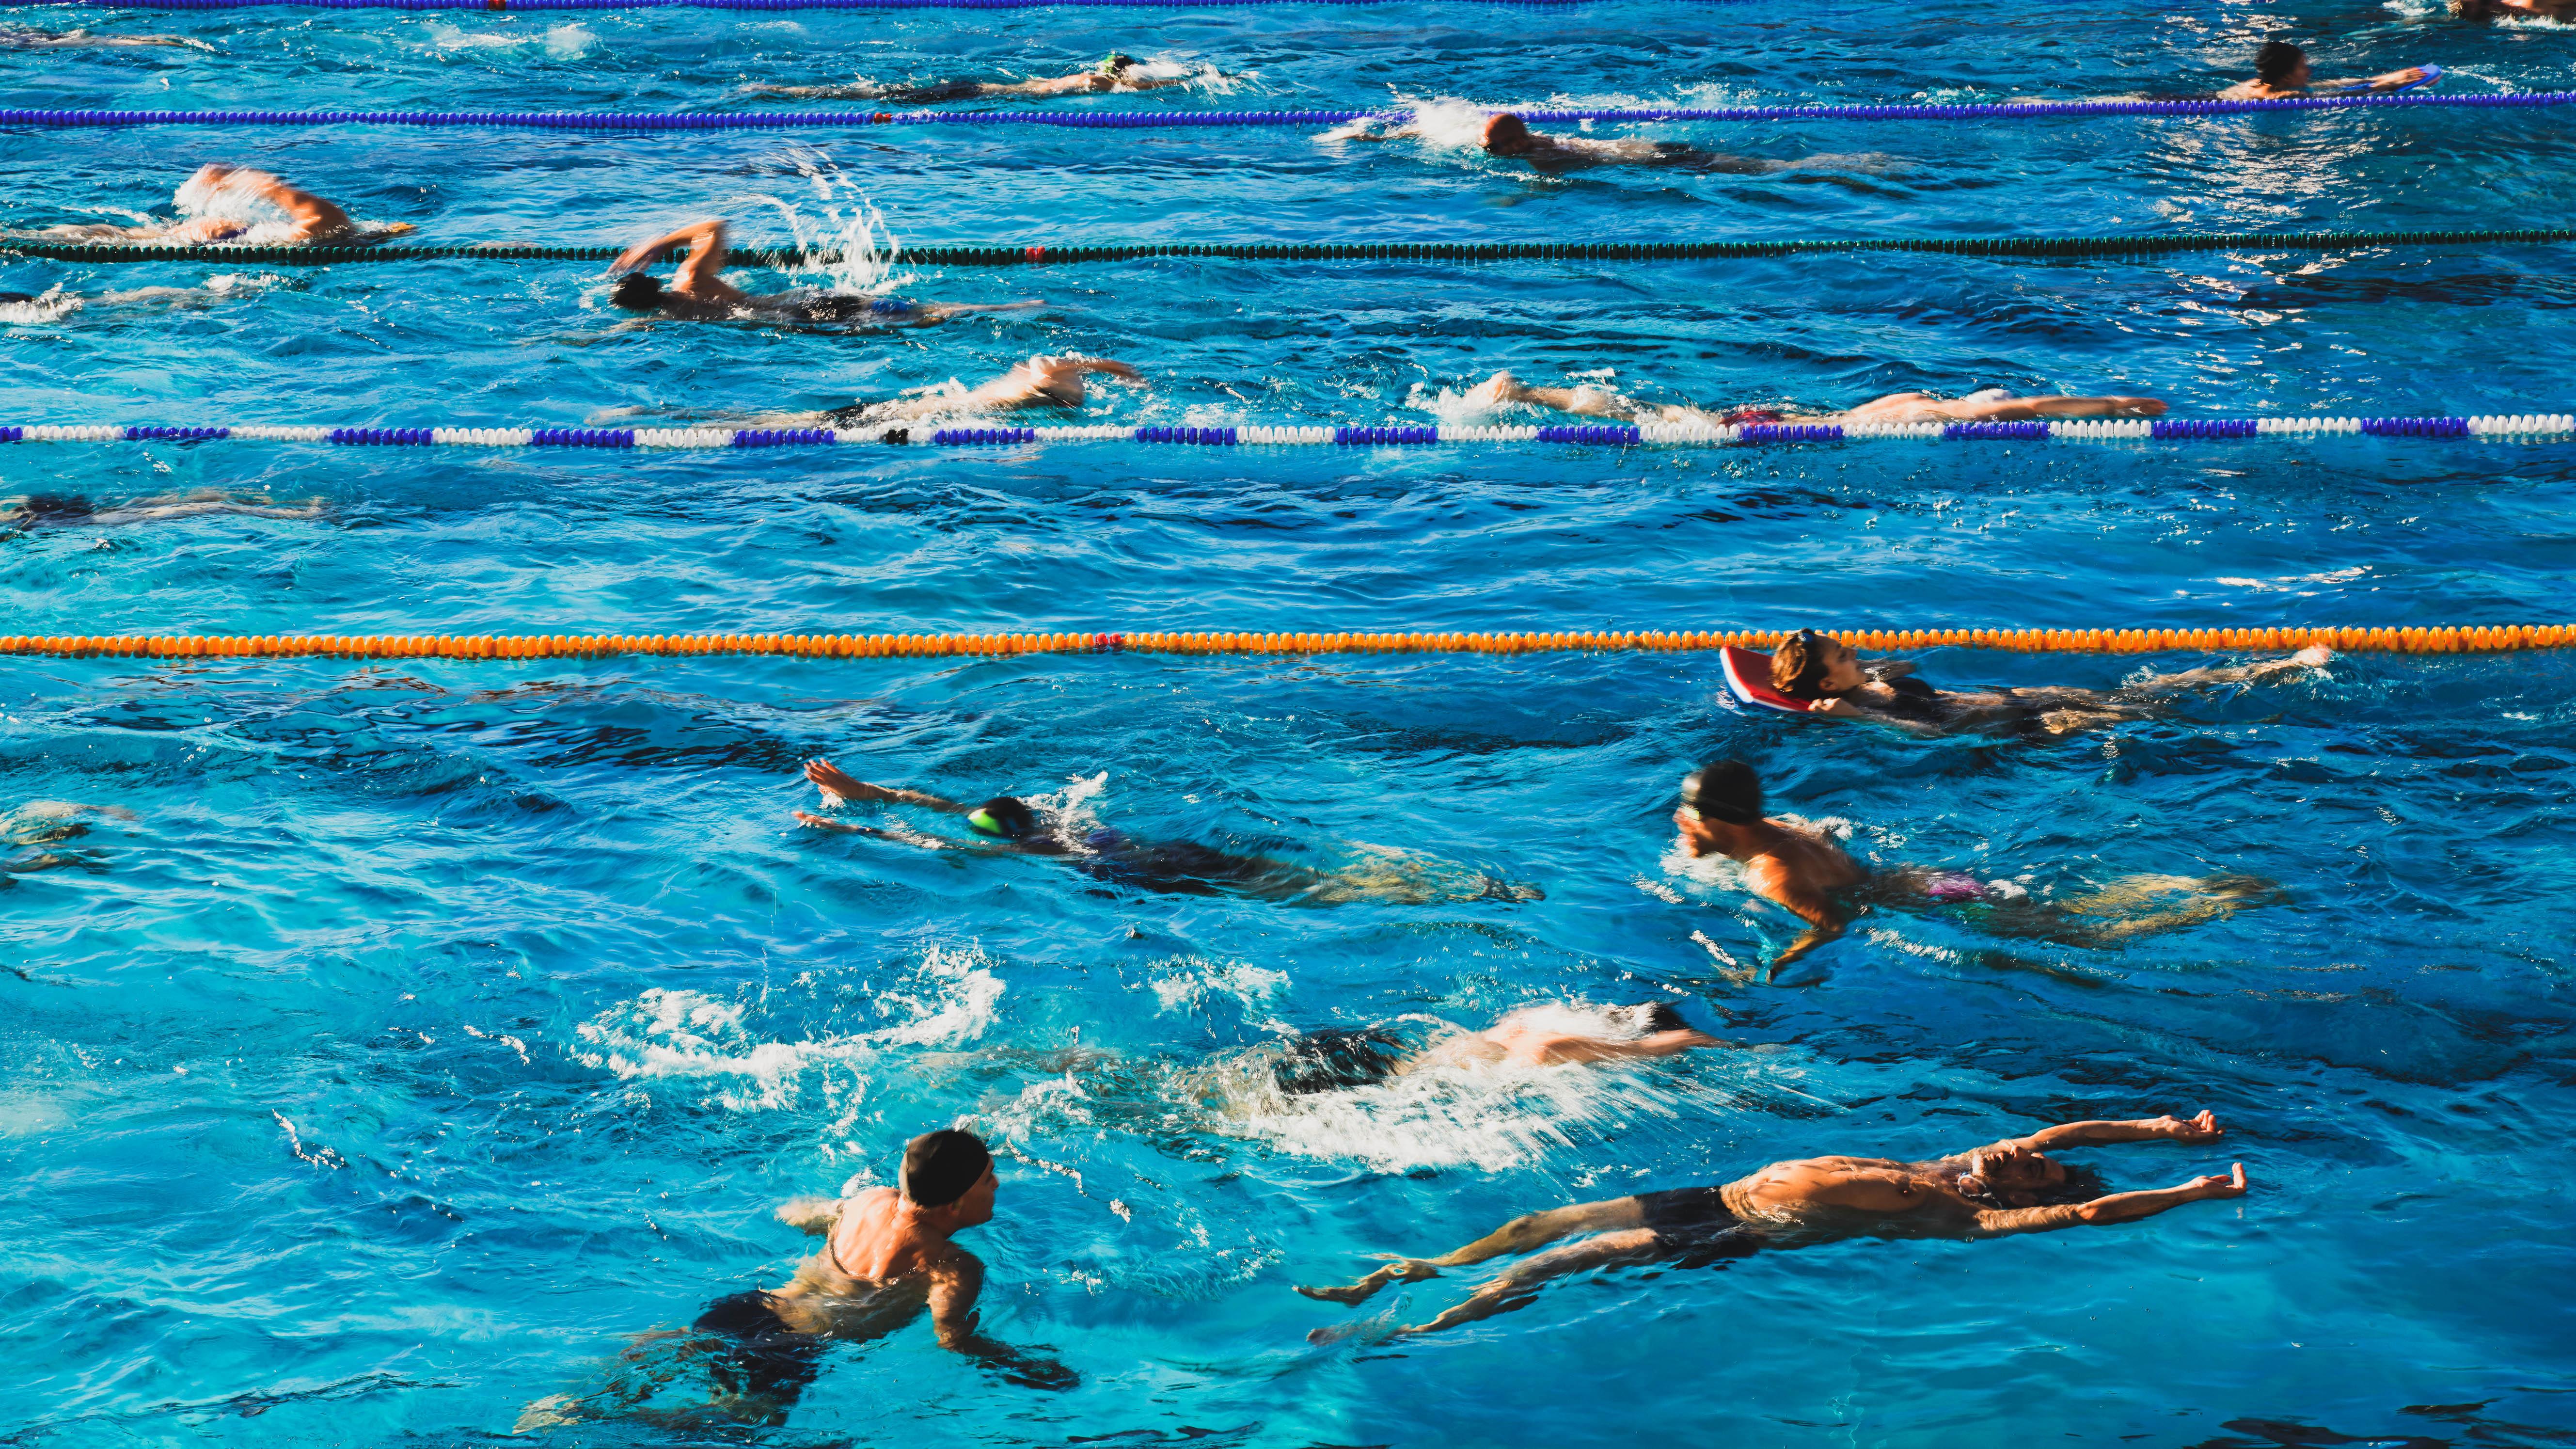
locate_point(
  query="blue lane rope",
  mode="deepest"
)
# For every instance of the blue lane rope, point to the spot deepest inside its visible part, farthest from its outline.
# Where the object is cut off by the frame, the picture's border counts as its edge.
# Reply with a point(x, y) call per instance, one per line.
point(1158, 119)
point(755, 4)
point(2521, 425)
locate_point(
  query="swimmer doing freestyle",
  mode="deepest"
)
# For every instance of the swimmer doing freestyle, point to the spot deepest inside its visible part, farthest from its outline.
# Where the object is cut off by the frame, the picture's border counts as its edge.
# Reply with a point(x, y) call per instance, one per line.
point(25, 37)
point(1115, 72)
point(887, 1259)
point(1796, 866)
point(67, 510)
point(1508, 136)
point(2008, 1188)
point(2281, 70)
point(308, 220)
point(1828, 675)
point(1504, 390)
point(1005, 825)
point(698, 291)
point(1337, 1058)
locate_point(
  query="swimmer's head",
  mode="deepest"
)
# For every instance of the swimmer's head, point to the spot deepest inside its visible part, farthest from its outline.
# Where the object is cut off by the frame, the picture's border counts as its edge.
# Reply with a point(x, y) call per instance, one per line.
point(1003, 818)
point(1113, 63)
point(1508, 135)
point(637, 292)
point(953, 1170)
point(1727, 791)
point(1327, 1061)
point(2279, 63)
point(1647, 1018)
point(38, 508)
point(1811, 666)
point(2021, 1177)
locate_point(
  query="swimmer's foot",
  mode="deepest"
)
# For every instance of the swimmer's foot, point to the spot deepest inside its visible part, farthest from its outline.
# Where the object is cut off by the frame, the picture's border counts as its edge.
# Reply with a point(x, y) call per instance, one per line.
point(1402, 1270)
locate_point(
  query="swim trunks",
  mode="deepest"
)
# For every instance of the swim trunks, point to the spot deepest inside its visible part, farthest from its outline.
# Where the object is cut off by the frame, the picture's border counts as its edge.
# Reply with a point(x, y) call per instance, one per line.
point(932, 95)
point(1738, 417)
point(1176, 867)
point(840, 307)
point(765, 1359)
point(1694, 1226)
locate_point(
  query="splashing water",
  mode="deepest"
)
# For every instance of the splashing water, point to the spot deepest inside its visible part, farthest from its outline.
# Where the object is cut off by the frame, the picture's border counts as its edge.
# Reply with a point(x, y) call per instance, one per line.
point(851, 249)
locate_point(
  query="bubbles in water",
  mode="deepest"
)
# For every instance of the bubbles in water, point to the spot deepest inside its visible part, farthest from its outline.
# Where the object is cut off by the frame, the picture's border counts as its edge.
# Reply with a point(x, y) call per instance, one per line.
point(53, 305)
point(953, 1006)
point(1186, 981)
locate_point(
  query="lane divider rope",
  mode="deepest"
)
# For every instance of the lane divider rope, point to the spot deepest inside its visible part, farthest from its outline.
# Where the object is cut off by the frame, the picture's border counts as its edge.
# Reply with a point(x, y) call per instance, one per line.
point(1162, 119)
point(2041, 247)
point(750, 4)
point(2513, 425)
point(2438, 639)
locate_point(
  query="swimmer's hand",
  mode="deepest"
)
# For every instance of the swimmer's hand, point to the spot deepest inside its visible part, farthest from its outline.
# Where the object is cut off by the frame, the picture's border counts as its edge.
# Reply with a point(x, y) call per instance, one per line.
point(2203, 1128)
point(823, 822)
point(839, 786)
point(810, 1214)
point(1837, 707)
point(2217, 1185)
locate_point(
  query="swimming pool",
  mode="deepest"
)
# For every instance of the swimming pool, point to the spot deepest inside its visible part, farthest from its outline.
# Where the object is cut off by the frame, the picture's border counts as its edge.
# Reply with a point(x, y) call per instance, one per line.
point(435, 1029)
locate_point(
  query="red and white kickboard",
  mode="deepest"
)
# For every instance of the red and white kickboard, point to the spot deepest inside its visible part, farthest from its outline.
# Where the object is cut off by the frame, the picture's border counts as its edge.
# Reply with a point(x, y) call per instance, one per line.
point(1748, 678)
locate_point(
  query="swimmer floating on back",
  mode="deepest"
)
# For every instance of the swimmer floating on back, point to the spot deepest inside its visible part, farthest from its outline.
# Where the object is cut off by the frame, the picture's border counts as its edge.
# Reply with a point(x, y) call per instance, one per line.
point(1005, 825)
point(888, 1258)
point(2010, 1187)
point(699, 292)
point(1114, 73)
point(2281, 70)
point(1508, 136)
point(1828, 675)
point(1505, 390)
point(1794, 865)
point(309, 220)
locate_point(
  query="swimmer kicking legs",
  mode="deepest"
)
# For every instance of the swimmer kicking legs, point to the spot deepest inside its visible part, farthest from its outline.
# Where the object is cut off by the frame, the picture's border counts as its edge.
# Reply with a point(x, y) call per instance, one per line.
point(1504, 390)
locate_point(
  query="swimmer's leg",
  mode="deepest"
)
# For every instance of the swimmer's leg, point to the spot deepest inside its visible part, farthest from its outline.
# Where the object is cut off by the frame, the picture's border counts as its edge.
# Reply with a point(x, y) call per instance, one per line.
point(2315, 656)
point(2134, 906)
point(1529, 1230)
point(1518, 1287)
point(1919, 407)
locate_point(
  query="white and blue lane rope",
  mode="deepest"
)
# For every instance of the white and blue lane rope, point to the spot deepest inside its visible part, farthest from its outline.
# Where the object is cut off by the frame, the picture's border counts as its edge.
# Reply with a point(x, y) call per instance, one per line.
point(2518, 425)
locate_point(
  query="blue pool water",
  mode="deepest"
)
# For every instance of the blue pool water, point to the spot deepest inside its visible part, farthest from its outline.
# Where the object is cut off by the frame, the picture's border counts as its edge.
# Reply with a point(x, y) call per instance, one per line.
point(431, 1032)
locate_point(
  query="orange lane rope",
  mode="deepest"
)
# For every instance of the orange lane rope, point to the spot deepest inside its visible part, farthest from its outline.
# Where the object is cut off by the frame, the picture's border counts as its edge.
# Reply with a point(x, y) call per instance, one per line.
point(2445, 639)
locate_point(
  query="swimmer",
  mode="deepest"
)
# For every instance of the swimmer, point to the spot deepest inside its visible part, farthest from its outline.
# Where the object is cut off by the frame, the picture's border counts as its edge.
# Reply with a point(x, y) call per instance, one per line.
point(1503, 390)
point(1998, 1191)
point(1115, 72)
point(2513, 9)
point(1508, 136)
point(1828, 675)
point(698, 291)
point(887, 1257)
point(25, 37)
point(40, 823)
point(1540, 1036)
point(309, 220)
point(1005, 825)
point(2281, 70)
point(68, 510)
point(1794, 865)
point(1044, 381)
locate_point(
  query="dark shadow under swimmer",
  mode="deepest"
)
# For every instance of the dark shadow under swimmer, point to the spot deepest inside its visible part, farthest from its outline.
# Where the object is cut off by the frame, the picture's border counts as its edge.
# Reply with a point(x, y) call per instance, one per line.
point(2007, 1188)
point(70, 510)
point(1828, 675)
point(1005, 825)
point(698, 291)
point(886, 1261)
point(1792, 864)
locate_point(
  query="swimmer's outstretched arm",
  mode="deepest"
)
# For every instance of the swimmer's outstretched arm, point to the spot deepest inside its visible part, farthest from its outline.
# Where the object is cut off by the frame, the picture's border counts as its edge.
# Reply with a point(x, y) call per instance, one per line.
point(954, 1284)
point(2119, 1207)
point(1563, 1049)
point(2168, 1128)
point(1043, 381)
point(2395, 80)
point(832, 779)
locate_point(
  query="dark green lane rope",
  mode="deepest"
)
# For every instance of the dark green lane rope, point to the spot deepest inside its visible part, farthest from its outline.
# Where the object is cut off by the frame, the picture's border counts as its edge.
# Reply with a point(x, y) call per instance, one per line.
point(1973, 246)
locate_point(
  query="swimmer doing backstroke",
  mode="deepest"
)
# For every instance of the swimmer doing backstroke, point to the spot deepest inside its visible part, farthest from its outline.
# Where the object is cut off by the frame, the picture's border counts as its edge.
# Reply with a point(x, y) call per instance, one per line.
point(2001, 1190)
point(1116, 72)
point(698, 291)
point(1828, 675)
point(1006, 825)
point(1796, 866)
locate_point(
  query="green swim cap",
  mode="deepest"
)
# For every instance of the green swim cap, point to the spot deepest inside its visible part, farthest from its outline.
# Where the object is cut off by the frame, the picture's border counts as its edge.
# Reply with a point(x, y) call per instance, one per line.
point(1113, 62)
point(983, 823)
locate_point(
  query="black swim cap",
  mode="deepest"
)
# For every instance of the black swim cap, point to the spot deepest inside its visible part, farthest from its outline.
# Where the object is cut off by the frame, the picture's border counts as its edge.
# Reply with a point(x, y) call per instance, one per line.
point(1325, 1061)
point(1727, 790)
point(2277, 59)
point(940, 1167)
point(55, 507)
point(1009, 818)
point(1655, 1016)
point(637, 292)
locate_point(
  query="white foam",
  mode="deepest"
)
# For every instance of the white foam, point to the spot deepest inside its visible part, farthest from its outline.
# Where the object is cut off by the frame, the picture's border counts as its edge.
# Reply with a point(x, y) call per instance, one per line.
point(954, 1005)
point(1188, 980)
point(666, 1034)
